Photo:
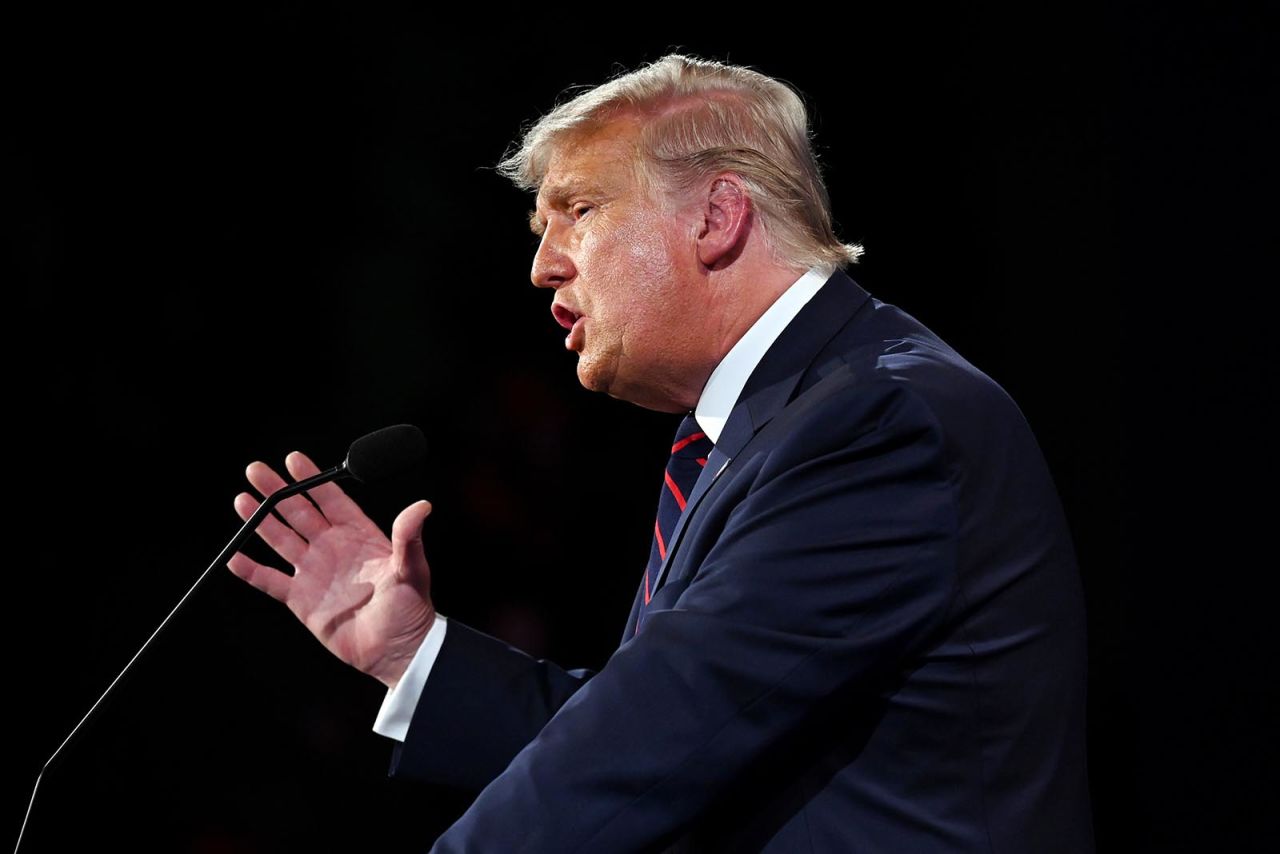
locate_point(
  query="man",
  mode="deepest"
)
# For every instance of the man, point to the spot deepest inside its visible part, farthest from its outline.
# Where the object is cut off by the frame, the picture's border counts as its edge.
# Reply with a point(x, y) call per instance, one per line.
point(861, 625)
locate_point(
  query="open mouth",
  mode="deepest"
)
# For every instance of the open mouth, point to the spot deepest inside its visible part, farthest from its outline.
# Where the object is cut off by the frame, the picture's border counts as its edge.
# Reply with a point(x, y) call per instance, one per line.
point(574, 321)
point(564, 315)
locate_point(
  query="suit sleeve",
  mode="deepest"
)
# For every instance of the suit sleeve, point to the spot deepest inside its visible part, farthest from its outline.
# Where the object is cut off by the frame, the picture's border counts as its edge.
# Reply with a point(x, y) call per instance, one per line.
point(835, 568)
point(482, 703)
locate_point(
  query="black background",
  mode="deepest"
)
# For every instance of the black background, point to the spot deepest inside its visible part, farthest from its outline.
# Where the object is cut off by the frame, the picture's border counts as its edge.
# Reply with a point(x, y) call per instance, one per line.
point(243, 233)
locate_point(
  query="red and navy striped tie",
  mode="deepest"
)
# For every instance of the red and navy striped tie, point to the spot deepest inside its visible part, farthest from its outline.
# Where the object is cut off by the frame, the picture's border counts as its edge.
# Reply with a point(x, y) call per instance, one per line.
point(688, 457)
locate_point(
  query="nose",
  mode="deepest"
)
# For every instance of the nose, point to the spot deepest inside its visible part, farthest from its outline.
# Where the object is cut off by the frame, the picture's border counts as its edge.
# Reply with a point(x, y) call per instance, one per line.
point(552, 267)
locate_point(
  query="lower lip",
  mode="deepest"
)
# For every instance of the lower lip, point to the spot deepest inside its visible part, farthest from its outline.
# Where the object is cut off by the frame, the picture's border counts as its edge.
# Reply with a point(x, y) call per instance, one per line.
point(573, 341)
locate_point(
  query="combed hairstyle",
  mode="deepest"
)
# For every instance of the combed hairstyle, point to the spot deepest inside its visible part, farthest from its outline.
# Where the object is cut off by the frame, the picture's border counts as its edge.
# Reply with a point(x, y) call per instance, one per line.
point(701, 118)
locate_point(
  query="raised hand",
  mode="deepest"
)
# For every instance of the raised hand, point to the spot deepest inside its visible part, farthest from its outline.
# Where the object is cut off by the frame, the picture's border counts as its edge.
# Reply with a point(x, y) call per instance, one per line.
point(367, 599)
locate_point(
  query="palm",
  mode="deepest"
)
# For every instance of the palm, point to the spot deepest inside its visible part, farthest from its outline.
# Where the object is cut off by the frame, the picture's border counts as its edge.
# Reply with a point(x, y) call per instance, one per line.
point(366, 598)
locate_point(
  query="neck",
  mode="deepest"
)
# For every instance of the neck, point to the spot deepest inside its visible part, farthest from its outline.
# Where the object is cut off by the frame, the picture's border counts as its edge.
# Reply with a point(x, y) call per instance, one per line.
point(742, 294)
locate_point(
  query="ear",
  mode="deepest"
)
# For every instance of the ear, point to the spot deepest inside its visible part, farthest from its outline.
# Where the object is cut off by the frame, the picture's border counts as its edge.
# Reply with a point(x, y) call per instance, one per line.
point(726, 220)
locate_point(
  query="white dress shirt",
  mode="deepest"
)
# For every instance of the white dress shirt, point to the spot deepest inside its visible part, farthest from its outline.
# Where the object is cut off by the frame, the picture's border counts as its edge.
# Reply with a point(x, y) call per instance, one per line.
point(718, 398)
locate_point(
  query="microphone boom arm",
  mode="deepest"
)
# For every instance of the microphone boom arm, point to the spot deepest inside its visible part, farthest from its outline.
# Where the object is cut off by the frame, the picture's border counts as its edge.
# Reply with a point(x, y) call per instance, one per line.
point(246, 531)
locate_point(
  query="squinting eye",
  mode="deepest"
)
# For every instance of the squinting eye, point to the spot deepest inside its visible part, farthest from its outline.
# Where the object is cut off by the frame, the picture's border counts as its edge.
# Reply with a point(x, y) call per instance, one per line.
point(581, 210)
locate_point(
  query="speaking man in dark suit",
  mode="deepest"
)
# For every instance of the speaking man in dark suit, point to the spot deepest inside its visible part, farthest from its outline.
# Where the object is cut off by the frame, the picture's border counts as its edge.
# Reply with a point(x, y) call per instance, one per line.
point(861, 627)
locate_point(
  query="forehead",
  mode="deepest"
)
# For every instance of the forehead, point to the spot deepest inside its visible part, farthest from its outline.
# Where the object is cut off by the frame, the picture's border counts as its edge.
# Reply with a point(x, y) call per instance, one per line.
point(604, 159)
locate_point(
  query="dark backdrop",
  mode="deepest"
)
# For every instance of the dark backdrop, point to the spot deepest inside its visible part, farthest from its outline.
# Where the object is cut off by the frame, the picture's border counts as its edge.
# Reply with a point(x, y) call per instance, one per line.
point(241, 234)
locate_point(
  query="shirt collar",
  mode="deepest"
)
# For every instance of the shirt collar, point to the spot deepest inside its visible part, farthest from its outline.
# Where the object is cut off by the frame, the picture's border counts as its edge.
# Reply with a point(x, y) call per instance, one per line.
point(725, 385)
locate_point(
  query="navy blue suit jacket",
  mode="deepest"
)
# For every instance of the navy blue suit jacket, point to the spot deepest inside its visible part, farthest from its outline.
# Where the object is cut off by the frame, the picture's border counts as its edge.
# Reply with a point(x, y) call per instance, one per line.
point(868, 636)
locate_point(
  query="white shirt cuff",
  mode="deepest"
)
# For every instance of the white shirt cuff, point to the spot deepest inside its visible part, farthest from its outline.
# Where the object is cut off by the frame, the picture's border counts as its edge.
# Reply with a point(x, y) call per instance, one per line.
point(397, 707)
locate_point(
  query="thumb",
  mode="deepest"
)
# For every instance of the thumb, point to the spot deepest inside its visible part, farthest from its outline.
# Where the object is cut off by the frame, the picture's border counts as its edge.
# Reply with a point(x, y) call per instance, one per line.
point(406, 541)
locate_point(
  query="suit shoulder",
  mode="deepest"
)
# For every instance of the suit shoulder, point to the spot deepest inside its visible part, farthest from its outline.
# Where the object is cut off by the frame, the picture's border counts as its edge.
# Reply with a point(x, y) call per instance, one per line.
point(887, 371)
point(891, 342)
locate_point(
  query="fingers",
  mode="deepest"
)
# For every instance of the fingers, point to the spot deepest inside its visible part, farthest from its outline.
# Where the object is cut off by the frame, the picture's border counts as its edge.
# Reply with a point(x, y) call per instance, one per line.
point(406, 544)
point(336, 505)
point(275, 533)
point(300, 513)
point(270, 581)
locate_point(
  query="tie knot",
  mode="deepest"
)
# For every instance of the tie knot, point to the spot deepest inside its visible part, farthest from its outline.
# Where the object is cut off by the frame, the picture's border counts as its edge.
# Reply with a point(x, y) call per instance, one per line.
point(691, 440)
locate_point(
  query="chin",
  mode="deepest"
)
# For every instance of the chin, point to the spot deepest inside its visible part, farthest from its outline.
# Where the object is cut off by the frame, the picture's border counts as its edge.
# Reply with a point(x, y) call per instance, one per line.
point(590, 375)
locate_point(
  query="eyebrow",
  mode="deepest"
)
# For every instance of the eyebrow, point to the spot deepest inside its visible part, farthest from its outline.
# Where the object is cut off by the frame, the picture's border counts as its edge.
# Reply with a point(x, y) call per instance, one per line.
point(536, 225)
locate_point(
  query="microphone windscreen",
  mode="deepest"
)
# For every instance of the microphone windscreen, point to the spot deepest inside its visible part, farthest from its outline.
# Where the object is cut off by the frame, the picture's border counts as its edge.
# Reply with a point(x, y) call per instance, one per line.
point(385, 452)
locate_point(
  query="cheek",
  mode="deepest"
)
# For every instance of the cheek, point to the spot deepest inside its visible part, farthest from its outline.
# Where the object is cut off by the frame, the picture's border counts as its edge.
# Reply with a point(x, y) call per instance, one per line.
point(646, 268)
point(645, 242)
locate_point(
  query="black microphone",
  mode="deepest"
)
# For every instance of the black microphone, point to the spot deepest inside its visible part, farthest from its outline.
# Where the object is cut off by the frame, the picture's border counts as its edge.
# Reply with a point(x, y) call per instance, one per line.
point(370, 458)
point(385, 452)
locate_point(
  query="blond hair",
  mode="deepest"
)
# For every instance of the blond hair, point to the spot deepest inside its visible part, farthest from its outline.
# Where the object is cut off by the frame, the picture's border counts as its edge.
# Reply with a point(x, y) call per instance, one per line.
point(701, 118)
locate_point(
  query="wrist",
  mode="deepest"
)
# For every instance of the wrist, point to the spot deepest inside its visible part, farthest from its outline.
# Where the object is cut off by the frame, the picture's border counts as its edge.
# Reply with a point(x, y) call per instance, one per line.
point(401, 651)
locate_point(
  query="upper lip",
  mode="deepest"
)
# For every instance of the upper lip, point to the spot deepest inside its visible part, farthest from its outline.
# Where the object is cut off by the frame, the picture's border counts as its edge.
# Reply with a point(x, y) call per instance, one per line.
point(564, 315)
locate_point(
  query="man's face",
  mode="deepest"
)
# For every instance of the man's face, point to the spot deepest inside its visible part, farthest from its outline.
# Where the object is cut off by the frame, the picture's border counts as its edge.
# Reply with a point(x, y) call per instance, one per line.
point(625, 271)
